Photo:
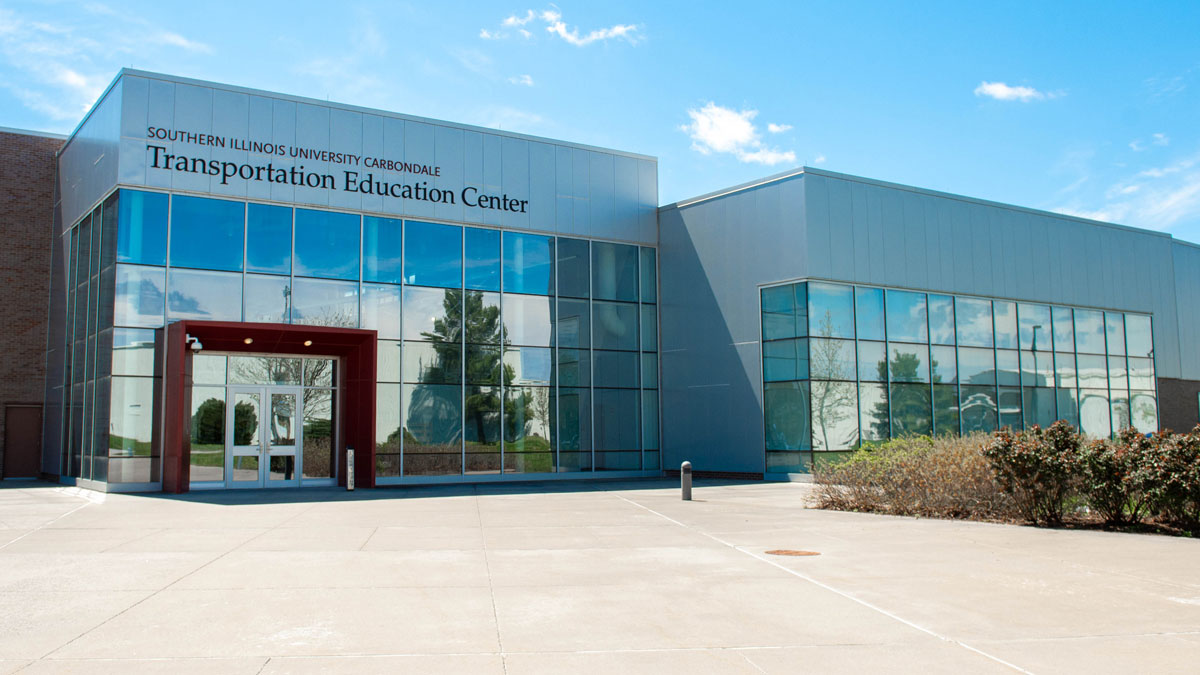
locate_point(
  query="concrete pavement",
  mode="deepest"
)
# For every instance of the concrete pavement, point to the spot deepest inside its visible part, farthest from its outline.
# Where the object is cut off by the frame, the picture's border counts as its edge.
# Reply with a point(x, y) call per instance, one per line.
point(592, 578)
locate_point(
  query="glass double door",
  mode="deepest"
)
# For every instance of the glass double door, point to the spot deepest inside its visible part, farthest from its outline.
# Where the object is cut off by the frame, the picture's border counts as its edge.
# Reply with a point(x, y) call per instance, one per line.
point(262, 436)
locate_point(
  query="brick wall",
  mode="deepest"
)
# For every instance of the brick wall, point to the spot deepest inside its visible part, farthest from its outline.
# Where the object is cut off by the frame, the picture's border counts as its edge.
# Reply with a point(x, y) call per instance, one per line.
point(26, 224)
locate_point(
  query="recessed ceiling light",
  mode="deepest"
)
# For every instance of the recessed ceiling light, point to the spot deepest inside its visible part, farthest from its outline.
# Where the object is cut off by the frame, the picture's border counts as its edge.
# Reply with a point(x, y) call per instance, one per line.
point(248, 340)
point(308, 343)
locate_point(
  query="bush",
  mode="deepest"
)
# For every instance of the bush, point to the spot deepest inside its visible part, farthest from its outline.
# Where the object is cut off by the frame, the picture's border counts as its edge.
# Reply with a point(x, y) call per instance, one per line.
point(1112, 479)
point(1170, 473)
point(945, 477)
point(1037, 467)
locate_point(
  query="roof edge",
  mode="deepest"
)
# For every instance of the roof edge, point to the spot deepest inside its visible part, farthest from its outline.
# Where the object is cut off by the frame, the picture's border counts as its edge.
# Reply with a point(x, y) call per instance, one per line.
point(31, 132)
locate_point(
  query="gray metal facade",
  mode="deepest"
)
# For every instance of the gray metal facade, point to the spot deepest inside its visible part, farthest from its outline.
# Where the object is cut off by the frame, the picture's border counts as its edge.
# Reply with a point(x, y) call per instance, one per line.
point(718, 250)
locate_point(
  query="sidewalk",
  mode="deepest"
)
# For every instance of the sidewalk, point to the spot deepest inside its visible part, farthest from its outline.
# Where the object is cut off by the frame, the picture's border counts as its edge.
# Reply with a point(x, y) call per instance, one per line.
point(594, 578)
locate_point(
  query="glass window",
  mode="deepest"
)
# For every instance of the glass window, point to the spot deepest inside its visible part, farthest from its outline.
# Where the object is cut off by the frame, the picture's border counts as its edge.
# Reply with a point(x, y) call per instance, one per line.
point(319, 372)
point(265, 370)
point(786, 408)
point(1144, 411)
point(433, 254)
point(325, 303)
point(650, 371)
point(482, 429)
point(207, 454)
point(1008, 367)
point(649, 277)
point(649, 328)
point(1139, 336)
point(785, 360)
point(431, 416)
point(973, 318)
point(205, 296)
point(941, 319)
point(868, 309)
point(616, 369)
point(575, 424)
point(912, 413)
point(831, 310)
point(381, 309)
point(944, 363)
point(133, 352)
point(1064, 370)
point(528, 264)
point(1068, 406)
point(788, 462)
point(1035, 327)
point(831, 359)
point(1064, 329)
point(1039, 406)
point(207, 233)
point(574, 323)
point(140, 296)
point(834, 416)
point(527, 425)
point(1093, 372)
point(615, 326)
point(872, 361)
point(1037, 369)
point(1006, 324)
point(1114, 326)
point(387, 363)
point(387, 430)
point(132, 419)
point(616, 420)
point(483, 317)
point(945, 409)
point(326, 244)
point(529, 320)
point(907, 318)
point(483, 364)
point(574, 276)
point(432, 314)
point(431, 362)
point(142, 232)
point(784, 312)
point(614, 271)
point(1089, 331)
point(530, 366)
point(1120, 411)
point(650, 424)
point(482, 264)
point(268, 239)
point(1010, 408)
point(909, 363)
point(267, 299)
point(574, 368)
point(382, 241)
point(1118, 379)
point(1094, 412)
point(320, 460)
point(873, 412)
point(978, 409)
point(209, 368)
point(1141, 373)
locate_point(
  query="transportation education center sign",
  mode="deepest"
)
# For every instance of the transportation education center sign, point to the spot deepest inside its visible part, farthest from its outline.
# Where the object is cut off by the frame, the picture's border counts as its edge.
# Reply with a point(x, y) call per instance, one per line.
point(352, 181)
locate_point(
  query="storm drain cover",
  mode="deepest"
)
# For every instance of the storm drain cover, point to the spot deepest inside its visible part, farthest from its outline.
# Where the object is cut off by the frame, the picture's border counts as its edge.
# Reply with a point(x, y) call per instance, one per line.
point(791, 552)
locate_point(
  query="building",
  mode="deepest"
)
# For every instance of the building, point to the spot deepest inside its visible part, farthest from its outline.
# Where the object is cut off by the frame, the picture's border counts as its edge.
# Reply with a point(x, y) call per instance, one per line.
point(244, 286)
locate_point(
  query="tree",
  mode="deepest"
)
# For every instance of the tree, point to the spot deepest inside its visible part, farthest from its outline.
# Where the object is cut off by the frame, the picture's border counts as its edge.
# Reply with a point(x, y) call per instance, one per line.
point(833, 402)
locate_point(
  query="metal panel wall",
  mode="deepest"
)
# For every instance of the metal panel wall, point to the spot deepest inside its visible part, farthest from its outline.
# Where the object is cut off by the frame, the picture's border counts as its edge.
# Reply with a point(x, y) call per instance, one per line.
point(87, 164)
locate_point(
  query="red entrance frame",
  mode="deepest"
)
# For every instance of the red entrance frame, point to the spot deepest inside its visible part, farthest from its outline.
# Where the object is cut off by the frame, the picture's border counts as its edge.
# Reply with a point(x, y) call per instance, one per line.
point(356, 383)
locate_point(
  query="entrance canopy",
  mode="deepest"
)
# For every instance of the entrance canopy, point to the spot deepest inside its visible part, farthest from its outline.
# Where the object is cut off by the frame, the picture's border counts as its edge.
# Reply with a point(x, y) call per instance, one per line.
point(356, 382)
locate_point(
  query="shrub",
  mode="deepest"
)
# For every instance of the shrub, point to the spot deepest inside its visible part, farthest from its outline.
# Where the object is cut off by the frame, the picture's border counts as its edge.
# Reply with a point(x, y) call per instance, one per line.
point(1112, 478)
point(1037, 468)
point(944, 477)
point(1170, 473)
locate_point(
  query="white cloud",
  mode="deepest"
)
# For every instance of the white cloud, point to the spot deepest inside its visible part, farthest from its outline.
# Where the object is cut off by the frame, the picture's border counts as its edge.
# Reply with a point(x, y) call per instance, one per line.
point(723, 130)
point(1003, 92)
point(778, 128)
point(819, 160)
point(1160, 139)
point(176, 40)
point(1157, 198)
point(555, 25)
point(524, 80)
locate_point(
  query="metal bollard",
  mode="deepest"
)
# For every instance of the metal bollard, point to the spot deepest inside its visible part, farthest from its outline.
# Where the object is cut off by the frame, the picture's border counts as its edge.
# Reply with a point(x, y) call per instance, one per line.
point(350, 468)
point(685, 480)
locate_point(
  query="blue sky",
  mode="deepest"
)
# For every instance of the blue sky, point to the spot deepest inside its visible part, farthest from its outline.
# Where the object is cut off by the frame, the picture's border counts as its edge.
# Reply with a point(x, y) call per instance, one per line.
point(1085, 108)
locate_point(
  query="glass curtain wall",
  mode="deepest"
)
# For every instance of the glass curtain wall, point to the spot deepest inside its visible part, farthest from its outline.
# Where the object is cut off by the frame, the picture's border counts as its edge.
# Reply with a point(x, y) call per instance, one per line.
point(499, 352)
point(845, 366)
